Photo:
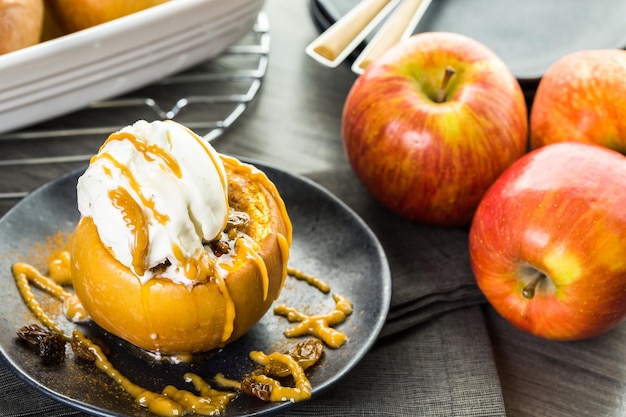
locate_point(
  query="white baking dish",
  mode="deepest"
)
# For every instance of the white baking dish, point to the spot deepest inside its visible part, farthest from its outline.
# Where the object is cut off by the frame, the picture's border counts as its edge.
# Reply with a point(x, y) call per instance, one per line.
point(67, 73)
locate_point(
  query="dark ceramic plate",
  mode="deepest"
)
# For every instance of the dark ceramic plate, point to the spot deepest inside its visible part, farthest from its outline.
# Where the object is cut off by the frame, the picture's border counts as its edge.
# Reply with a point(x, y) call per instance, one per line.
point(528, 35)
point(329, 241)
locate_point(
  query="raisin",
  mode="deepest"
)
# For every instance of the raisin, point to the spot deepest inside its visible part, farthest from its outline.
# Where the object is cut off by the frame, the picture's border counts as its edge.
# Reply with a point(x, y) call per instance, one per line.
point(49, 345)
point(161, 267)
point(219, 247)
point(306, 353)
point(257, 389)
point(237, 220)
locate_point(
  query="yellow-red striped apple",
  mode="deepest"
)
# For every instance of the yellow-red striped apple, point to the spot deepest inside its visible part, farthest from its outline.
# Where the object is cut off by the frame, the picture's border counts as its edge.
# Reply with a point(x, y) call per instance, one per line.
point(582, 98)
point(548, 241)
point(431, 124)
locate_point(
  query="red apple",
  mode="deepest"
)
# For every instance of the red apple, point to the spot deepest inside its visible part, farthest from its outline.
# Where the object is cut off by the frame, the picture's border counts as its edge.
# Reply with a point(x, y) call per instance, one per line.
point(582, 98)
point(431, 124)
point(548, 241)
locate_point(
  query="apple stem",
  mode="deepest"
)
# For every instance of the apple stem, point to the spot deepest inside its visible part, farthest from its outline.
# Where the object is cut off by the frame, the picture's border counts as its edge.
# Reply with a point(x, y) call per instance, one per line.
point(441, 96)
point(529, 290)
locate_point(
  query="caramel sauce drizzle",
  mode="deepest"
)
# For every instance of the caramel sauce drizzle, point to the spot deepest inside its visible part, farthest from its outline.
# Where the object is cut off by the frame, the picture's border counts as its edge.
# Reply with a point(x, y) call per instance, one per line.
point(171, 401)
point(59, 267)
point(284, 246)
point(309, 279)
point(149, 204)
point(210, 401)
point(251, 253)
point(199, 269)
point(136, 223)
point(21, 273)
point(73, 309)
point(247, 250)
point(284, 240)
point(40, 281)
point(302, 389)
point(318, 325)
point(260, 176)
point(156, 403)
point(25, 274)
point(149, 152)
point(222, 381)
point(229, 320)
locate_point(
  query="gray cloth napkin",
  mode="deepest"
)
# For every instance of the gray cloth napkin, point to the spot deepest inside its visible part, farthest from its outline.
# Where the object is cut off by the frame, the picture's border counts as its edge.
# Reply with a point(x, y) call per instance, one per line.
point(430, 266)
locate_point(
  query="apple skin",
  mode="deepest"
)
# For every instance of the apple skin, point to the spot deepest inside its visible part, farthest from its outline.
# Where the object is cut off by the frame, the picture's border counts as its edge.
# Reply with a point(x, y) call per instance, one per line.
point(20, 24)
point(431, 161)
point(75, 15)
point(582, 98)
point(558, 210)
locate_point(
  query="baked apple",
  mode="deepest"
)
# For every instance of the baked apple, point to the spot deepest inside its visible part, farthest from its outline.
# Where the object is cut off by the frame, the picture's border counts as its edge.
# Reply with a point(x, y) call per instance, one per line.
point(75, 15)
point(21, 23)
point(201, 285)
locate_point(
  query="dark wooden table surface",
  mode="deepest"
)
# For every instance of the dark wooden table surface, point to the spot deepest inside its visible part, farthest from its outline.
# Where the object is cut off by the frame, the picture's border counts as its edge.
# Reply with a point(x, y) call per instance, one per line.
point(294, 124)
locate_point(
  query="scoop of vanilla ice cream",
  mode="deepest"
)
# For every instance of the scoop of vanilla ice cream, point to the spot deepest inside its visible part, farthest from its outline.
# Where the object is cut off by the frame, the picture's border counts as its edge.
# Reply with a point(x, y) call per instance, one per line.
point(156, 191)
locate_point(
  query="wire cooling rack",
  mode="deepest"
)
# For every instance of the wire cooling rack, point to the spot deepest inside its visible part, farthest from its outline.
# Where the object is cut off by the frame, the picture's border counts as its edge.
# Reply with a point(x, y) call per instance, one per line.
point(207, 98)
